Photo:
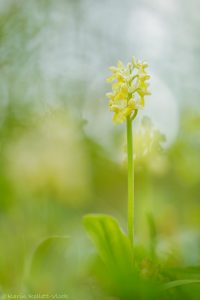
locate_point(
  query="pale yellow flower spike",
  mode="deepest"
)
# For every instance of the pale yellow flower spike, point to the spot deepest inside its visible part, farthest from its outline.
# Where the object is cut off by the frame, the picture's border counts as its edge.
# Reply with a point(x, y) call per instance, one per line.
point(128, 90)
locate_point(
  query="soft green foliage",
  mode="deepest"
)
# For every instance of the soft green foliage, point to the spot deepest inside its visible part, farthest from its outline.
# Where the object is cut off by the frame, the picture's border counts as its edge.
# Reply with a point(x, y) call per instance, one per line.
point(112, 244)
point(177, 283)
point(122, 273)
point(41, 265)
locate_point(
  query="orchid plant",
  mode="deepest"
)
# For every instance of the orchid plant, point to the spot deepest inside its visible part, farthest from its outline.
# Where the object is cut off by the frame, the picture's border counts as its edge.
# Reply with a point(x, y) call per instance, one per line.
point(117, 249)
point(129, 89)
point(128, 92)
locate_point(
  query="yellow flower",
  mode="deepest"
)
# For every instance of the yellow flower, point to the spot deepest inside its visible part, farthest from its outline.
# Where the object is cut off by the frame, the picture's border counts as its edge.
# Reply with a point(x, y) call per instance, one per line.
point(128, 90)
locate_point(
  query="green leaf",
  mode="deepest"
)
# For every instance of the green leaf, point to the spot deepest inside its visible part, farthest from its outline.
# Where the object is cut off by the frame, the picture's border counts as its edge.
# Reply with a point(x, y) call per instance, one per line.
point(182, 273)
point(177, 283)
point(40, 250)
point(112, 245)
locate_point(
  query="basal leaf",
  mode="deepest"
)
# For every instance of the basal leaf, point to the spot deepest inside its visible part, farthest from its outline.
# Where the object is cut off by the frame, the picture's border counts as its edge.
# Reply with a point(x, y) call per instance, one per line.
point(112, 245)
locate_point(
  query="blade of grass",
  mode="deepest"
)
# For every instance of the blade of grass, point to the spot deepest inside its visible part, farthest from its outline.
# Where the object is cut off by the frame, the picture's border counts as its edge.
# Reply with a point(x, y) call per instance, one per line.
point(177, 283)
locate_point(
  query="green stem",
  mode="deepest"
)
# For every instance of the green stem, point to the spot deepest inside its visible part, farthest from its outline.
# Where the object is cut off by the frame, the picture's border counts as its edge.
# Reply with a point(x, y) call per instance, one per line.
point(130, 181)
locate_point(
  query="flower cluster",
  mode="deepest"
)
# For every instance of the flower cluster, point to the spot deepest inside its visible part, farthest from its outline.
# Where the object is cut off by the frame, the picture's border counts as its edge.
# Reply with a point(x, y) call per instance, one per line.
point(128, 90)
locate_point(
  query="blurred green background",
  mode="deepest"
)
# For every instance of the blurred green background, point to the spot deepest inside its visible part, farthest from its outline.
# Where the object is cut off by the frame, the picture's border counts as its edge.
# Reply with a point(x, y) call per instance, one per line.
point(60, 154)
